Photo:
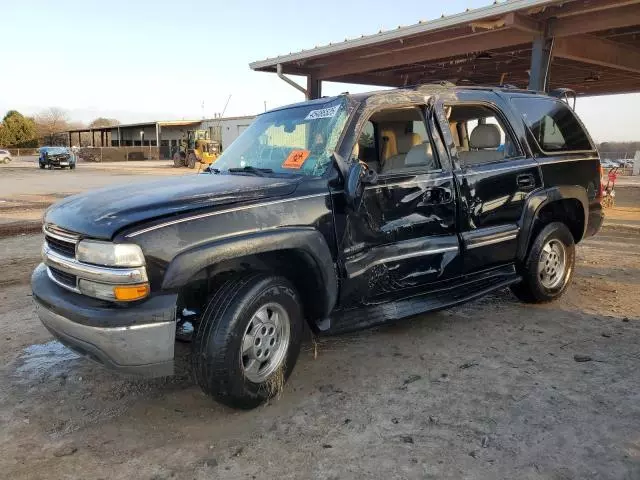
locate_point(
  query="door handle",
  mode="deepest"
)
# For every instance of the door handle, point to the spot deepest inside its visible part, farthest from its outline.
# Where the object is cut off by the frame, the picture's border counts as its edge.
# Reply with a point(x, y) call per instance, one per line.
point(436, 195)
point(526, 180)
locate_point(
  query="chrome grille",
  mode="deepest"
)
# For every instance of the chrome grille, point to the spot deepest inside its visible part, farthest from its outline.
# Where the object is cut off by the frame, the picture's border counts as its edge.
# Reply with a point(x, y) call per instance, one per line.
point(63, 248)
point(61, 241)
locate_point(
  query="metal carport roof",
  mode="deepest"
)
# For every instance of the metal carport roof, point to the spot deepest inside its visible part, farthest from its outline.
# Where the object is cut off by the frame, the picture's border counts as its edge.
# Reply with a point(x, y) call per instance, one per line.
point(591, 46)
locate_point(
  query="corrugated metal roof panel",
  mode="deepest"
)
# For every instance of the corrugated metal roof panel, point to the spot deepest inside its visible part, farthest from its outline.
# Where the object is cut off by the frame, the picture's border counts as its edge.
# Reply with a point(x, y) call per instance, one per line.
point(422, 27)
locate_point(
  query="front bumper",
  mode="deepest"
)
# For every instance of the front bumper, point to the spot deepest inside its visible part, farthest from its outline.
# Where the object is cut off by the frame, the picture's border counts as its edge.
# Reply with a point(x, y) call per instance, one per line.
point(137, 339)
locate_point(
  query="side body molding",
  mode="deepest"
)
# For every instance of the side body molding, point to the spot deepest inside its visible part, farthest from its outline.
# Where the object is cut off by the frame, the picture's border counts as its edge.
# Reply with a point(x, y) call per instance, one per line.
point(538, 200)
point(185, 265)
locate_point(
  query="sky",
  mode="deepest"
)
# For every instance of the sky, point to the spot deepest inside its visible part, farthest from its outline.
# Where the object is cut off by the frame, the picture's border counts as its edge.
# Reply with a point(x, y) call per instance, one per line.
point(139, 60)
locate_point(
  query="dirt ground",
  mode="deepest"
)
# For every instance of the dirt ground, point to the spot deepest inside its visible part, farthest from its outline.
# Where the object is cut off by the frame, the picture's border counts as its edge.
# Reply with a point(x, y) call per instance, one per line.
point(26, 191)
point(489, 390)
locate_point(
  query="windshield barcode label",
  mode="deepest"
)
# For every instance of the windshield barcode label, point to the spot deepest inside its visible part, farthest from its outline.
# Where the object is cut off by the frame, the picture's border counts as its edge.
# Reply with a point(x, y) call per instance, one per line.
point(324, 113)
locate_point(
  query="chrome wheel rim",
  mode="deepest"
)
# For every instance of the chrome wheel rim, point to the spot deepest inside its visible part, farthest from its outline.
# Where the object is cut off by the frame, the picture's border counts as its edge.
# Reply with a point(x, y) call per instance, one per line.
point(265, 342)
point(552, 264)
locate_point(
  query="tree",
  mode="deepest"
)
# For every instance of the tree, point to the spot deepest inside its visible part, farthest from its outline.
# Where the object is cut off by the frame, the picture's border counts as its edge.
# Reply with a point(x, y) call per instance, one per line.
point(51, 123)
point(17, 131)
point(104, 122)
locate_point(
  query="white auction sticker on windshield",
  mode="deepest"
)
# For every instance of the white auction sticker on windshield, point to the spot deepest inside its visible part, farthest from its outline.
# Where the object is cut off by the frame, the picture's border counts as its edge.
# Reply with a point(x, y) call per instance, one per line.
point(323, 113)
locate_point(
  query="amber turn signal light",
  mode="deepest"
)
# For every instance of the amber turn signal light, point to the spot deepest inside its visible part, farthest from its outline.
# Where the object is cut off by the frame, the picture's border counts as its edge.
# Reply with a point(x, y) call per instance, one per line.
point(129, 293)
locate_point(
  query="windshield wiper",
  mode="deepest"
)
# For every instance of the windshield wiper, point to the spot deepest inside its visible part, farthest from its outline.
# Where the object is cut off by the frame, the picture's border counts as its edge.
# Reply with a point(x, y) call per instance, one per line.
point(260, 172)
point(212, 170)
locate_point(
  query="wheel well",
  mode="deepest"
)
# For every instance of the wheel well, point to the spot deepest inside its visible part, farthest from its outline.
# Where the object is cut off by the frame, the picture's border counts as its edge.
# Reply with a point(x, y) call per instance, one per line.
point(568, 211)
point(295, 265)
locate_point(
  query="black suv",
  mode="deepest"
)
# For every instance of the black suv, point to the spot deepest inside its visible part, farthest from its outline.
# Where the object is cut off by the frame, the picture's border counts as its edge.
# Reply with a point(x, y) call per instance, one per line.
point(342, 213)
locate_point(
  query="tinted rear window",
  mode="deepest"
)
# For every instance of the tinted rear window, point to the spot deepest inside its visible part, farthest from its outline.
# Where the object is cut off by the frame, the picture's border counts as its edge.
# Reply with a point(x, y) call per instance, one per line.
point(553, 124)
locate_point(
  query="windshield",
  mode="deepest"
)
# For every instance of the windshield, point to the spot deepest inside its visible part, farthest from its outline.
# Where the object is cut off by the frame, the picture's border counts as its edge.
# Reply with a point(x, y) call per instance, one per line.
point(297, 140)
point(55, 150)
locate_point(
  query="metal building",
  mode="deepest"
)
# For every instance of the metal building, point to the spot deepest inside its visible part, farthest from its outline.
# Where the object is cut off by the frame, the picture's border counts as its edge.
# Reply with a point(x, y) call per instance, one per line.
point(165, 135)
point(227, 129)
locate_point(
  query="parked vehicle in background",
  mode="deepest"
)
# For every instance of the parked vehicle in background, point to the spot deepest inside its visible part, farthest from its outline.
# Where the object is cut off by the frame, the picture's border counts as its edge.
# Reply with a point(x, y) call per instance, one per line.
point(5, 156)
point(606, 163)
point(626, 163)
point(343, 212)
point(196, 147)
point(61, 157)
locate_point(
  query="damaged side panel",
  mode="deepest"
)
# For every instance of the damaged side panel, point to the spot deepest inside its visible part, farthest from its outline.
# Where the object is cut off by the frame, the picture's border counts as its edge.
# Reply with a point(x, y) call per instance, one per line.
point(403, 236)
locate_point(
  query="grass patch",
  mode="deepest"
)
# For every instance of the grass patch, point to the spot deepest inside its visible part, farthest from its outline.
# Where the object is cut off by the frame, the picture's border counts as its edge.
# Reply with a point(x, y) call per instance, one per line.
point(275, 383)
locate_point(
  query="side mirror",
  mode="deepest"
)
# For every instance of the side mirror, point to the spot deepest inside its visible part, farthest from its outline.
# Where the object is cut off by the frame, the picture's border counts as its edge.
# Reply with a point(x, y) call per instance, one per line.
point(358, 177)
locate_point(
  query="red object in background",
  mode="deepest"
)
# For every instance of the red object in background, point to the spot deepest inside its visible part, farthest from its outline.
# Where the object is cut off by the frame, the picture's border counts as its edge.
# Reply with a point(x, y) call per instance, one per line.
point(607, 191)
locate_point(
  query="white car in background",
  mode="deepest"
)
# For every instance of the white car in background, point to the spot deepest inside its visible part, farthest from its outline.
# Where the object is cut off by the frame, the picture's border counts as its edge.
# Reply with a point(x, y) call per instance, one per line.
point(5, 156)
point(625, 163)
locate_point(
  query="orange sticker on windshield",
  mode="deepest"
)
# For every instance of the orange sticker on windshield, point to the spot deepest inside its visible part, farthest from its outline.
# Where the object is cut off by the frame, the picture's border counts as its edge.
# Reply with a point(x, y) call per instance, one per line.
point(295, 159)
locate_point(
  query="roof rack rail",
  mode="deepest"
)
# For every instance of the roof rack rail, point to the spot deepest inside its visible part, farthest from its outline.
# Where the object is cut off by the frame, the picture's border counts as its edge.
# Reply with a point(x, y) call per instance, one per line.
point(488, 86)
point(565, 94)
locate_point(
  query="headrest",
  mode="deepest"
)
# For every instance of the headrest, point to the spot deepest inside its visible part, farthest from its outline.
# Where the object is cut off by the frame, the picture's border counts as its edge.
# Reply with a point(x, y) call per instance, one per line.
point(485, 136)
point(389, 144)
point(408, 140)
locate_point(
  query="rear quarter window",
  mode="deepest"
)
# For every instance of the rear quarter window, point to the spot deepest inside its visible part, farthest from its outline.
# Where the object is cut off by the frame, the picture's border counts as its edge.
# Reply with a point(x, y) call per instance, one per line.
point(553, 124)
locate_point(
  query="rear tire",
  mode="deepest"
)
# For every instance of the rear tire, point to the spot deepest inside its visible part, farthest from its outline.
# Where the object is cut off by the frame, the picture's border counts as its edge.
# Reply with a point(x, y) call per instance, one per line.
point(42, 165)
point(178, 160)
point(191, 160)
point(548, 269)
point(6, 160)
point(248, 340)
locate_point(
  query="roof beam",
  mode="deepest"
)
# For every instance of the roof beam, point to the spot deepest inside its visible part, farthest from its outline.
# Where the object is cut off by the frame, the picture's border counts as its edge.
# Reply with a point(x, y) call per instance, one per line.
point(376, 80)
point(585, 22)
point(586, 7)
point(524, 24)
point(604, 20)
point(478, 42)
point(598, 51)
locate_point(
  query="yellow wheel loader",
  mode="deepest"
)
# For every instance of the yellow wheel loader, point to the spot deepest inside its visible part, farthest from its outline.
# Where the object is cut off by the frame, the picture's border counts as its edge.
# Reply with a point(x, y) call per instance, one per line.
point(196, 147)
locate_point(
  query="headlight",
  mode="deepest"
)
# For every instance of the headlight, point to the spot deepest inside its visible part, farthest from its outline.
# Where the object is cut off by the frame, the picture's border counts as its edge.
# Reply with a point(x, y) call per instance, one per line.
point(121, 293)
point(109, 254)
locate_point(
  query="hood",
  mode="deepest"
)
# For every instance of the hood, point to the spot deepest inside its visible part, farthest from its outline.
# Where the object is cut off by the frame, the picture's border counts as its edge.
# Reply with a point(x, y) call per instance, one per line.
point(101, 213)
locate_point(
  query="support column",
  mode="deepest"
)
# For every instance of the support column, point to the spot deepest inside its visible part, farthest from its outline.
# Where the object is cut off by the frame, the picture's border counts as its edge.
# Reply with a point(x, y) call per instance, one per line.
point(541, 59)
point(119, 138)
point(70, 145)
point(93, 138)
point(314, 88)
point(102, 138)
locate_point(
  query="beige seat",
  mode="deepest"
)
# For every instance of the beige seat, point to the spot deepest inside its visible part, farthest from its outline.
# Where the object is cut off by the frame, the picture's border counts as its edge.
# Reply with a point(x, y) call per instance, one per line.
point(483, 141)
point(396, 161)
point(421, 155)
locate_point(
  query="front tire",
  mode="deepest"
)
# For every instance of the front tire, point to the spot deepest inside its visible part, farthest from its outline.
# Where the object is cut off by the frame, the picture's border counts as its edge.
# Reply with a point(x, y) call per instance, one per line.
point(548, 269)
point(248, 340)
